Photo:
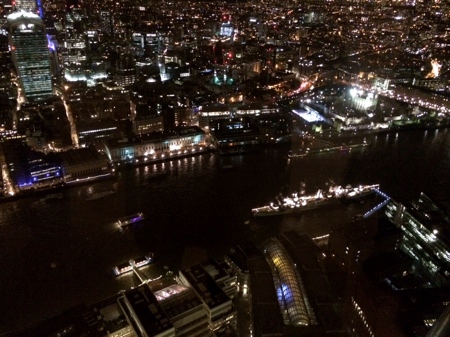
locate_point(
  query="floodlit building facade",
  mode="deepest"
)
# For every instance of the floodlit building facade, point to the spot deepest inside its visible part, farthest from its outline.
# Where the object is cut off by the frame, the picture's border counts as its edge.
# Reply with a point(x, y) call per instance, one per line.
point(26, 5)
point(156, 146)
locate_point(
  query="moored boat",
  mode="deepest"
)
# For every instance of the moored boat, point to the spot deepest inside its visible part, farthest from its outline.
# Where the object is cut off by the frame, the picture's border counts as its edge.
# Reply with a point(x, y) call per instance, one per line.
point(91, 195)
point(126, 267)
point(299, 202)
point(130, 219)
point(295, 204)
point(354, 193)
point(99, 195)
point(53, 197)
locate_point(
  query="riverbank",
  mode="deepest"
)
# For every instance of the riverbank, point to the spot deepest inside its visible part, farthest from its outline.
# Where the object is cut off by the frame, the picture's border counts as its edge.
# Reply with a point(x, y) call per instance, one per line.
point(46, 190)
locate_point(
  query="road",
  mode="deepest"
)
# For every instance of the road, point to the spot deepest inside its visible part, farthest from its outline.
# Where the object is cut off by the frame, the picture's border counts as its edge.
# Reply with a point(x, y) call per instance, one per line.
point(73, 131)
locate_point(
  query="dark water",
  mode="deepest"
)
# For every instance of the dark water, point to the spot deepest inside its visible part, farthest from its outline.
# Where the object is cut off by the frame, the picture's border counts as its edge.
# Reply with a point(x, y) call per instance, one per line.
point(54, 255)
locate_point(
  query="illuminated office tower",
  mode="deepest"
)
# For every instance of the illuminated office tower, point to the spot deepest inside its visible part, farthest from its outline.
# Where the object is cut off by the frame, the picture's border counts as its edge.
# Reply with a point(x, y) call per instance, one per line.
point(106, 22)
point(30, 54)
point(26, 5)
point(426, 238)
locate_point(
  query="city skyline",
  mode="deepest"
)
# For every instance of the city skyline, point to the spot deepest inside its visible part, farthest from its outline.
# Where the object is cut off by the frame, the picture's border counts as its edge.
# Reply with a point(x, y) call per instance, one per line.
point(140, 144)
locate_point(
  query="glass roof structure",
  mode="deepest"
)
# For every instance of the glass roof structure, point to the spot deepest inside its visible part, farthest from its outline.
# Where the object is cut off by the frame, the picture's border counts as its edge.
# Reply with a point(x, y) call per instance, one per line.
point(290, 292)
point(169, 291)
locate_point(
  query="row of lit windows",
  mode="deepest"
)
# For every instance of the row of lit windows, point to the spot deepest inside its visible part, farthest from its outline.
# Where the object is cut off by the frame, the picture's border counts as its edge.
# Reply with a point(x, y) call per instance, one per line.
point(426, 260)
point(149, 148)
point(362, 317)
point(218, 113)
point(97, 130)
point(414, 229)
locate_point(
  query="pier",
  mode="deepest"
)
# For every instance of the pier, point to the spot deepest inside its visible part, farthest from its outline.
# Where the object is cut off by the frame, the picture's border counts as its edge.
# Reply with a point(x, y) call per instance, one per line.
point(322, 146)
point(379, 206)
point(134, 265)
point(138, 273)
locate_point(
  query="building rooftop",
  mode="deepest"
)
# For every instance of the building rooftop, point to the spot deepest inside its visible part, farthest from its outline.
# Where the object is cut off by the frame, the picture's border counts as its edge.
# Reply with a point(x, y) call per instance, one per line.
point(147, 310)
point(211, 294)
point(215, 269)
point(215, 107)
point(78, 156)
point(177, 300)
point(17, 17)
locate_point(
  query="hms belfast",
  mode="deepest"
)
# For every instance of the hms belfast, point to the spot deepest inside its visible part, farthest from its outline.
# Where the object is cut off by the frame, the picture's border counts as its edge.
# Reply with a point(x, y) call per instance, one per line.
point(300, 201)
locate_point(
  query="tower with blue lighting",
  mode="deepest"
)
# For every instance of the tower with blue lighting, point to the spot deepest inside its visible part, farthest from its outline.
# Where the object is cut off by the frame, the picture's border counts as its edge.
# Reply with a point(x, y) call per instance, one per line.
point(30, 54)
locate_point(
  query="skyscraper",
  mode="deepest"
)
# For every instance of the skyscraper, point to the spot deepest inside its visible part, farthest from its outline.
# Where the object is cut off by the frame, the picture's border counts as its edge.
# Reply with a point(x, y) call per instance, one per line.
point(106, 22)
point(26, 5)
point(426, 238)
point(30, 54)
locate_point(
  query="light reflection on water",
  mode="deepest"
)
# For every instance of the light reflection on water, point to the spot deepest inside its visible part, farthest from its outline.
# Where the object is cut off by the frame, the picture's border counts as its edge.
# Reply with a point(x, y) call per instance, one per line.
point(63, 252)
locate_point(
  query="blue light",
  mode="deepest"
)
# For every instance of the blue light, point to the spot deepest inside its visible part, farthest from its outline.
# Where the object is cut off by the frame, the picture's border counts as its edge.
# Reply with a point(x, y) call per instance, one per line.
point(51, 45)
point(41, 11)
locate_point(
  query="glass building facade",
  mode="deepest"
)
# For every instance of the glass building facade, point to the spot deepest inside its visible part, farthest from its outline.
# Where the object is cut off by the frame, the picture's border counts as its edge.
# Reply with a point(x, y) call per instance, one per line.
point(30, 53)
point(426, 237)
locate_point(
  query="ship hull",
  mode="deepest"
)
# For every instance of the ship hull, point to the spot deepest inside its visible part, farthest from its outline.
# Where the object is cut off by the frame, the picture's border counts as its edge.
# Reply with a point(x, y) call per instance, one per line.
point(296, 210)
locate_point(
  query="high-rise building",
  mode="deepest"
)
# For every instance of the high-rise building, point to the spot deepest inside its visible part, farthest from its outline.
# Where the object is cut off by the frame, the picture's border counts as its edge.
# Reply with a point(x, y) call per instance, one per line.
point(30, 54)
point(426, 238)
point(7, 7)
point(26, 5)
point(106, 22)
point(29, 169)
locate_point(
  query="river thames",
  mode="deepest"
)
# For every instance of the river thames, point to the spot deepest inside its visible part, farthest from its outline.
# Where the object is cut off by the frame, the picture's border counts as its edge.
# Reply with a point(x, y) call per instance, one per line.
point(56, 254)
